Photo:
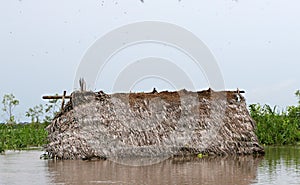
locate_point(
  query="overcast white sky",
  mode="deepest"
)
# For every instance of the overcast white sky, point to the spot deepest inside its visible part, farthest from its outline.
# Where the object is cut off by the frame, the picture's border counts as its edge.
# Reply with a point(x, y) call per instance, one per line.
point(256, 42)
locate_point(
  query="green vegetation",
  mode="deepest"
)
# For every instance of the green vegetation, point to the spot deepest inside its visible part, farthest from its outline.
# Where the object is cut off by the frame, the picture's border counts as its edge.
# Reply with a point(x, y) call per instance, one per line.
point(9, 102)
point(277, 128)
point(43, 112)
point(35, 113)
point(15, 136)
point(20, 136)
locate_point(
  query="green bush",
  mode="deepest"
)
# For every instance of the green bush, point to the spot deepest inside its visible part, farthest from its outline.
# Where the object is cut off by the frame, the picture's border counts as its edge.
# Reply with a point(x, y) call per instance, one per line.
point(20, 136)
point(276, 128)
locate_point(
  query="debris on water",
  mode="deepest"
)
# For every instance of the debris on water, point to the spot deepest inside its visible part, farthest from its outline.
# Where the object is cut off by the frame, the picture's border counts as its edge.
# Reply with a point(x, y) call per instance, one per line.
point(200, 155)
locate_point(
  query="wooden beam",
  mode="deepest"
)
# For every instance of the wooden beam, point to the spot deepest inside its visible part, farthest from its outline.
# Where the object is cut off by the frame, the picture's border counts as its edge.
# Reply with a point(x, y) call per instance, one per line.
point(239, 91)
point(56, 97)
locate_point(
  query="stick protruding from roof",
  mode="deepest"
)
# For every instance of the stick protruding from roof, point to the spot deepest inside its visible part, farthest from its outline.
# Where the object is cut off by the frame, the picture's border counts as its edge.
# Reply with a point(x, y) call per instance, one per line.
point(82, 84)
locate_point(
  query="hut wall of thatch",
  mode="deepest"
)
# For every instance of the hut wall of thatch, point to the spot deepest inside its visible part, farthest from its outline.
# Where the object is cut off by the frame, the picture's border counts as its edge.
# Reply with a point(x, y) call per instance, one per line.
point(95, 124)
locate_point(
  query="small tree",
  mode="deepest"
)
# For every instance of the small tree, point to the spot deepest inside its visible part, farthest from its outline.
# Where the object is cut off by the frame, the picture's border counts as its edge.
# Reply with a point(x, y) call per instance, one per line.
point(35, 113)
point(51, 109)
point(9, 102)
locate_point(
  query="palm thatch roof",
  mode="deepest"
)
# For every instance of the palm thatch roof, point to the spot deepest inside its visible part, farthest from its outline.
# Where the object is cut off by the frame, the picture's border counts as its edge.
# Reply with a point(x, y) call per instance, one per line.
point(99, 125)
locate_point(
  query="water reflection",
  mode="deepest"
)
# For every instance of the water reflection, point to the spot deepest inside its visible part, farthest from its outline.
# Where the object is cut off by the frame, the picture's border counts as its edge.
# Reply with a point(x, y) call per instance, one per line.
point(241, 170)
point(289, 156)
point(280, 165)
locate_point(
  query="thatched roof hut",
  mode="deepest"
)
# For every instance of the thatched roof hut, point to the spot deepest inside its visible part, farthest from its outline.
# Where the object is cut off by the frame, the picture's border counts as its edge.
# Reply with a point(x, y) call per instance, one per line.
point(95, 124)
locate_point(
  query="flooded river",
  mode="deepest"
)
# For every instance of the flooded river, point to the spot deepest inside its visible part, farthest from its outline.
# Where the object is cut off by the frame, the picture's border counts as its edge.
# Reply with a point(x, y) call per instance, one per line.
point(281, 165)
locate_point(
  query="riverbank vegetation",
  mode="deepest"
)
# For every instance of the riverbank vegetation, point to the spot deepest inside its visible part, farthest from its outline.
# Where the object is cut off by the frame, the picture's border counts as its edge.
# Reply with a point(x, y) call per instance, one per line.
point(16, 136)
point(276, 127)
point(21, 136)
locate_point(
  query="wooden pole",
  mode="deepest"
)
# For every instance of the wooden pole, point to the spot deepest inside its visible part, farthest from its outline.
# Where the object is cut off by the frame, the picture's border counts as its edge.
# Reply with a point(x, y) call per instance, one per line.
point(63, 100)
point(239, 91)
point(56, 97)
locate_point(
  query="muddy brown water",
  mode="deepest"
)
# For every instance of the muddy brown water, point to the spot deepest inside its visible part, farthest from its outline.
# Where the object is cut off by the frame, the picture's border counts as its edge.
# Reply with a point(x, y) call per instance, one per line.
point(281, 165)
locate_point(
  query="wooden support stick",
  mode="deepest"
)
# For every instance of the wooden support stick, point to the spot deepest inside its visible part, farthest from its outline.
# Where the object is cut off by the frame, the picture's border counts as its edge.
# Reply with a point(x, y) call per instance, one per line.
point(56, 97)
point(63, 100)
point(239, 91)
